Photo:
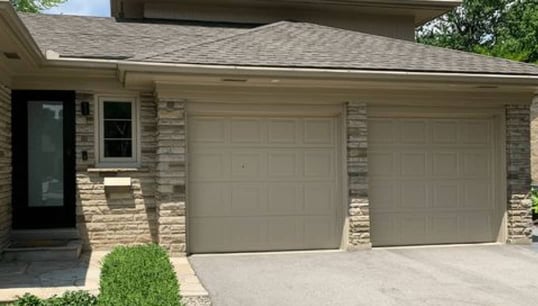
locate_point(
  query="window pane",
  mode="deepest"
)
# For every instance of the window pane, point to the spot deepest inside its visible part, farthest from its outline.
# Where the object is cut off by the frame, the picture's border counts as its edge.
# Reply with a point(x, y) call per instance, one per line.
point(45, 154)
point(118, 148)
point(118, 129)
point(117, 110)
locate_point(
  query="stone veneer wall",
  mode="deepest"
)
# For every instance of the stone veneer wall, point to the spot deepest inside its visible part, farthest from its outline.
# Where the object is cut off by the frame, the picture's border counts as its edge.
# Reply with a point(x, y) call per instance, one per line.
point(170, 175)
point(518, 173)
point(534, 141)
point(126, 216)
point(5, 165)
point(357, 171)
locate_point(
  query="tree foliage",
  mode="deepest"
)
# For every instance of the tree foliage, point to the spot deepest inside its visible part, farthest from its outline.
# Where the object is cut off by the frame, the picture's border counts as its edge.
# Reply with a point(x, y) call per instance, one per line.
point(503, 28)
point(34, 6)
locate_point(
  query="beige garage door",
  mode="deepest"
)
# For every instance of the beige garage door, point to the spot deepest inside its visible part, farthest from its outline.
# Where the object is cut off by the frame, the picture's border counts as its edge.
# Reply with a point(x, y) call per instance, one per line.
point(432, 181)
point(260, 184)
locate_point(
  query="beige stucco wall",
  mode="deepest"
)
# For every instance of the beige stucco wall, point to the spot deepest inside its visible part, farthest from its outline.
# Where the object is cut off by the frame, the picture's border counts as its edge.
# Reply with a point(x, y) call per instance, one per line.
point(124, 216)
point(5, 165)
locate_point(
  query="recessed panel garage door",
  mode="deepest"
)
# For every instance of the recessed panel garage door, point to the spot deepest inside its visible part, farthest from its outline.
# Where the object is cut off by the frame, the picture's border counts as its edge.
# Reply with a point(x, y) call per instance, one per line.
point(432, 181)
point(262, 184)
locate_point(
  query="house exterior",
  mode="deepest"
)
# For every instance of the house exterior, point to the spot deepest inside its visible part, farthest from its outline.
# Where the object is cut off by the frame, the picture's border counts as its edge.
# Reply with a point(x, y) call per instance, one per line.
point(230, 126)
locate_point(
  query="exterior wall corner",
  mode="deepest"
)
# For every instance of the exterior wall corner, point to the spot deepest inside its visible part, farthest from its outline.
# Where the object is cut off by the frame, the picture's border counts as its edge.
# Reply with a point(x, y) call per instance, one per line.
point(518, 164)
point(170, 175)
point(5, 165)
point(357, 173)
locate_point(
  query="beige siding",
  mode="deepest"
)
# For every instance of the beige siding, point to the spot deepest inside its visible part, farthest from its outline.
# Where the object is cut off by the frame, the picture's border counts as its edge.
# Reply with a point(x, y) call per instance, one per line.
point(104, 218)
point(397, 26)
point(5, 165)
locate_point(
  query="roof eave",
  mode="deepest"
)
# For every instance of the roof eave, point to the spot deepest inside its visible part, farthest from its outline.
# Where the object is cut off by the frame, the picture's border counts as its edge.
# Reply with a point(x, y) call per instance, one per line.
point(153, 70)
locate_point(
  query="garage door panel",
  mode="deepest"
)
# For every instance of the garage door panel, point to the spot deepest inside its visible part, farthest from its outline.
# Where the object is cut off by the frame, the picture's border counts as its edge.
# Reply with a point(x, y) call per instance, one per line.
point(246, 131)
point(246, 231)
point(478, 226)
point(445, 228)
point(318, 164)
point(211, 233)
point(319, 231)
point(384, 193)
point(246, 165)
point(413, 131)
point(413, 163)
point(319, 131)
point(412, 227)
point(414, 194)
point(445, 131)
point(446, 195)
point(475, 132)
point(284, 199)
point(282, 131)
point(442, 179)
point(381, 164)
point(211, 165)
point(282, 164)
point(246, 199)
point(206, 195)
point(477, 195)
point(445, 164)
point(476, 164)
point(318, 198)
point(380, 131)
point(285, 232)
point(207, 130)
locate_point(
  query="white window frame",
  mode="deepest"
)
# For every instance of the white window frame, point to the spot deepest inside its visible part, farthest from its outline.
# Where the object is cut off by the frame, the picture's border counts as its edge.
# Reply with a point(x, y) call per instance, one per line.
point(118, 162)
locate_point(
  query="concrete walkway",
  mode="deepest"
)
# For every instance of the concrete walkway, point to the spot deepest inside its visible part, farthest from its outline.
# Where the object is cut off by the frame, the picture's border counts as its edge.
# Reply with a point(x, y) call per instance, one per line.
point(455, 275)
point(47, 278)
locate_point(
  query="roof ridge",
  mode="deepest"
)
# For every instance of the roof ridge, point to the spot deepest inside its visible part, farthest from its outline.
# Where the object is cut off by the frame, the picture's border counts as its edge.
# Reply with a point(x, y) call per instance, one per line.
point(210, 41)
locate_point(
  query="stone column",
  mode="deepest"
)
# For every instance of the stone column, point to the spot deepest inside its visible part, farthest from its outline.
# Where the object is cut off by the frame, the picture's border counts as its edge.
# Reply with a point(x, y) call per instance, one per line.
point(5, 165)
point(518, 174)
point(357, 171)
point(170, 175)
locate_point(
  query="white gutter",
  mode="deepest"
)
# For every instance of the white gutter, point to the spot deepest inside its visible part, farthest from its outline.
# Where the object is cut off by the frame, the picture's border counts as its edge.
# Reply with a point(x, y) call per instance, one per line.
point(125, 67)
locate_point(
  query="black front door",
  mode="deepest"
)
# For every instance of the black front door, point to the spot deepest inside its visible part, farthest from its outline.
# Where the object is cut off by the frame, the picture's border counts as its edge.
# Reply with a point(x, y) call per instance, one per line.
point(43, 131)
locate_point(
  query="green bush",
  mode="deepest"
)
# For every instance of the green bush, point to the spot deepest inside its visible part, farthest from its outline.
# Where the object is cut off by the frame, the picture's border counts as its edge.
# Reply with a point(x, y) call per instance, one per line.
point(138, 276)
point(534, 198)
point(71, 298)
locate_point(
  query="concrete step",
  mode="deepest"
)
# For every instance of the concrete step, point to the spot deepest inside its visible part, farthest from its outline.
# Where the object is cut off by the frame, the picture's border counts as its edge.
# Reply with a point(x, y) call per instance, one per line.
point(43, 250)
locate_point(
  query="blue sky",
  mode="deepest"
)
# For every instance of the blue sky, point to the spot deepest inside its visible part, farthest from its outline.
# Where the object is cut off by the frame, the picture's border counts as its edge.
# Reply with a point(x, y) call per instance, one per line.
point(82, 7)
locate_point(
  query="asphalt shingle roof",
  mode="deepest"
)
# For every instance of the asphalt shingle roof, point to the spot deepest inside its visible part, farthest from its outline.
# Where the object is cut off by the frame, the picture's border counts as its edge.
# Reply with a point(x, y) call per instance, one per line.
point(99, 37)
point(281, 44)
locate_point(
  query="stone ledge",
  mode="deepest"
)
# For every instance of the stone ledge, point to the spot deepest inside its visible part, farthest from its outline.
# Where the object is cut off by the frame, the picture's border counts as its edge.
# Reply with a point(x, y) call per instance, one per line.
point(103, 169)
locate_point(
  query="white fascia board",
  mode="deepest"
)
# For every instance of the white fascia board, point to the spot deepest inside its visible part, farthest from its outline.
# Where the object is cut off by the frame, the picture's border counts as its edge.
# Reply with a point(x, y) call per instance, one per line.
point(154, 69)
point(19, 30)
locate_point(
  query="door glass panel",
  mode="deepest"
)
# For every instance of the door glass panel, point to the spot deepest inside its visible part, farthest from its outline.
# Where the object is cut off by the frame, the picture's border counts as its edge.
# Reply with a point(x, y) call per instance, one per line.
point(45, 154)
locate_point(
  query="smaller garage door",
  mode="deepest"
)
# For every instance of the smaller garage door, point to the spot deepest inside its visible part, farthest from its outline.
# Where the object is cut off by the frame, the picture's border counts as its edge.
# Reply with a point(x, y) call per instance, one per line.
point(432, 181)
point(258, 183)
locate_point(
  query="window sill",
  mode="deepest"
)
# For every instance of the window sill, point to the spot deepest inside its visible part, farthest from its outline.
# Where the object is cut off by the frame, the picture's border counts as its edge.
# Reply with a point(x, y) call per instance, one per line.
point(116, 170)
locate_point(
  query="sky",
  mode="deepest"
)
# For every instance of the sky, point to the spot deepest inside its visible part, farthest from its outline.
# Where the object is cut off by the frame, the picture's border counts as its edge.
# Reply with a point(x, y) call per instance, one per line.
point(82, 7)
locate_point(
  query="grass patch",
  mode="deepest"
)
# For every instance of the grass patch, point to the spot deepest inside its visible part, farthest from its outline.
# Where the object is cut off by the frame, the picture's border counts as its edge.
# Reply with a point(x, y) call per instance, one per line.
point(138, 276)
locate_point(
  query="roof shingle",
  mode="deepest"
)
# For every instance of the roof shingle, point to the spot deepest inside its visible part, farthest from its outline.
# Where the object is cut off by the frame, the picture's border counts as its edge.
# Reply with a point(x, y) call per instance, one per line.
point(281, 44)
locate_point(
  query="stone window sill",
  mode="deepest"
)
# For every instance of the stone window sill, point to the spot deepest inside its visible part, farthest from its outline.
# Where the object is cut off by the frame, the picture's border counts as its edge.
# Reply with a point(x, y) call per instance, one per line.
point(116, 170)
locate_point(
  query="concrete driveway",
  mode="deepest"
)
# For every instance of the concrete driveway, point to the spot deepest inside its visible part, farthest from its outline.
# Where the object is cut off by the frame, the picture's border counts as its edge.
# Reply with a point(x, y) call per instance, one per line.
point(456, 275)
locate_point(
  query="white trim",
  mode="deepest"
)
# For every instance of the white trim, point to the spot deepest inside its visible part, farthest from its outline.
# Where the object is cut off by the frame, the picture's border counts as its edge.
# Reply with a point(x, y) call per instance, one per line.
point(101, 160)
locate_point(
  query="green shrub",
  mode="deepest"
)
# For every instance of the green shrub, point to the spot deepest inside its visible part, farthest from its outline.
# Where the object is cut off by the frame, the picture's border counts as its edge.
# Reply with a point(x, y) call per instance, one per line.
point(534, 198)
point(138, 276)
point(71, 298)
